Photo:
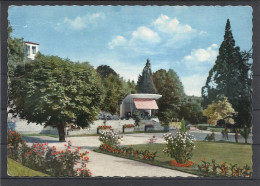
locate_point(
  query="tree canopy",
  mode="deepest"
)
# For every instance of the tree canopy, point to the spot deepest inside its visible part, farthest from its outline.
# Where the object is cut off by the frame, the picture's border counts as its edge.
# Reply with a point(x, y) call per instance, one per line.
point(231, 77)
point(145, 80)
point(221, 110)
point(115, 90)
point(52, 91)
point(104, 71)
point(170, 87)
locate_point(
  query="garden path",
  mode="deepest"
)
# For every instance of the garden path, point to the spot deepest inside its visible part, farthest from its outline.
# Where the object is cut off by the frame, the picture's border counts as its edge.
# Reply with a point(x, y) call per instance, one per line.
point(110, 166)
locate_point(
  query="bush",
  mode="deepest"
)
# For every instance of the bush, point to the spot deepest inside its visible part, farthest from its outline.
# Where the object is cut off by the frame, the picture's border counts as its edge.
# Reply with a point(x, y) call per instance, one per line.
point(202, 127)
point(110, 138)
point(231, 170)
point(14, 139)
point(47, 159)
point(179, 147)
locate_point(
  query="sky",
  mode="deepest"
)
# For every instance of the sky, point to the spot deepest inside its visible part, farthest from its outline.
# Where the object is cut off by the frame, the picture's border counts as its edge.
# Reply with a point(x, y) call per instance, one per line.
point(185, 39)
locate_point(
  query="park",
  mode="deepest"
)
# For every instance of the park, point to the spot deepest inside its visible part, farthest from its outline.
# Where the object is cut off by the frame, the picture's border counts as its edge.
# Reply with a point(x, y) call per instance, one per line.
point(75, 119)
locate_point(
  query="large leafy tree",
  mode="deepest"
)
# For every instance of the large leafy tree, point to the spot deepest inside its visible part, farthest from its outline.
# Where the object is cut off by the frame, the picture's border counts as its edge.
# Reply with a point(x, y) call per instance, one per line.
point(192, 112)
point(231, 77)
point(53, 92)
point(145, 81)
point(104, 71)
point(16, 51)
point(221, 110)
point(170, 87)
point(115, 90)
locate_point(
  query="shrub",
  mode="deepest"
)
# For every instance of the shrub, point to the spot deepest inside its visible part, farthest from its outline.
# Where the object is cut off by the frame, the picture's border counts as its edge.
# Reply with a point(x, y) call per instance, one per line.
point(47, 159)
point(110, 138)
point(231, 170)
point(14, 139)
point(202, 127)
point(179, 147)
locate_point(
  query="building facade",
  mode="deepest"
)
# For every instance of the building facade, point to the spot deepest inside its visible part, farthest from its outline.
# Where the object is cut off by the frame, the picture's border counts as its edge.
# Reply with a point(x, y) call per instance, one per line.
point(144, 103)
point(31, 49)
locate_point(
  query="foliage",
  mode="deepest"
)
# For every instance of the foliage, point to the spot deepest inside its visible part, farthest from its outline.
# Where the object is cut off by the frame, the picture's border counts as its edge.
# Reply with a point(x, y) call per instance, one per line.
point(245, 133)
point(145, 80)
point(170, 87)
point(53, 91)
point(16, 51)
point(223, 169)
point(220, 110)
point(137, 117)
point(49, 160)
point(179, 147)
point(110, 138)
point(183, 125)
point(210, 137)
point(14, 139)
point(231, 77)
point(115, 90)
point(128, 152)
point(191, 111)
point(128, 126)
point(104, 71)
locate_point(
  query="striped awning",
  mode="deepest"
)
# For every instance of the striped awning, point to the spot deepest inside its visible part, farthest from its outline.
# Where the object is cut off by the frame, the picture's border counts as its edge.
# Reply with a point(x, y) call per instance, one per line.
point(145, 103)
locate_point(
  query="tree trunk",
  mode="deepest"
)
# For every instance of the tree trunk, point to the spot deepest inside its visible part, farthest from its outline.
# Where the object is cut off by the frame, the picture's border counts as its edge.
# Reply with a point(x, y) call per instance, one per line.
point(246, 140)
point(61, 130)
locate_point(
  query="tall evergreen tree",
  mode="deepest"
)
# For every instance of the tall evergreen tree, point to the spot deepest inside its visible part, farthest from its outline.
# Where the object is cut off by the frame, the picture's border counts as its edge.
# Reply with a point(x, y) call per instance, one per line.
point(230, 77)
point(145, 81)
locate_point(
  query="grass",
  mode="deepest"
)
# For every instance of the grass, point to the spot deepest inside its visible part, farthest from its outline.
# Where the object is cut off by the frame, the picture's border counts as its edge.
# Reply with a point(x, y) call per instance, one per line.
point(240, 154)
point(16, 169)
point(50, 135)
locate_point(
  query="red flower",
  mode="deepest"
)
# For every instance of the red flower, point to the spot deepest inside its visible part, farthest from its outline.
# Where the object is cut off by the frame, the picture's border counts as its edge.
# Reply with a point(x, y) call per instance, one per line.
point(75, 163)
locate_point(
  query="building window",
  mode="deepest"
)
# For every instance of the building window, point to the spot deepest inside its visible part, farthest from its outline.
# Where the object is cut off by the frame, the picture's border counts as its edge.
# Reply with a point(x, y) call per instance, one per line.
point(28, 50)
point(34, 50)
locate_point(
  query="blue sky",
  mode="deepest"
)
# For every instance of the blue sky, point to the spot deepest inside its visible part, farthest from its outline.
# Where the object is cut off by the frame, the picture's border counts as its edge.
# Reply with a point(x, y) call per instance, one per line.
point(183, 38)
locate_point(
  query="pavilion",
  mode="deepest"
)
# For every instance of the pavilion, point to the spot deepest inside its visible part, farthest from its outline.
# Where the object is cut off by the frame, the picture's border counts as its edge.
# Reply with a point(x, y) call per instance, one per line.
point(145, 103)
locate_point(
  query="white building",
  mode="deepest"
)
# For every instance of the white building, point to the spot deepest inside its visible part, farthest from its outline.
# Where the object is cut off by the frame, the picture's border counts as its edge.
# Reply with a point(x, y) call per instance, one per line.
point(145, 103)
point(31, 49)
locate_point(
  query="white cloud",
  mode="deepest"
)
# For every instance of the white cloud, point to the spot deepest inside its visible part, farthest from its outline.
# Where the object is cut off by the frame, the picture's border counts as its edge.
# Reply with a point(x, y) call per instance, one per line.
point(79, 22)
point(193, 84)
point(142, 40)
point(167, 25)
point(117, 41)
point(145, 34)
point(207, 55)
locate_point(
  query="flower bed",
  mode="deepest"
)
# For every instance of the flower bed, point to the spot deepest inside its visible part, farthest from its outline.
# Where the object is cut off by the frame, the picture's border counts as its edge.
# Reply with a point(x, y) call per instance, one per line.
point(128, 152)
point(176, 164)
point(212, 168)
point(129, 126)
point(49, 160)
point(148, 127)
point(104, 127)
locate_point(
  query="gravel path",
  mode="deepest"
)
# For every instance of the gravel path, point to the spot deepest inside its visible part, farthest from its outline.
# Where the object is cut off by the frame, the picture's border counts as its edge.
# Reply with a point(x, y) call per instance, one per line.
point(110, 166)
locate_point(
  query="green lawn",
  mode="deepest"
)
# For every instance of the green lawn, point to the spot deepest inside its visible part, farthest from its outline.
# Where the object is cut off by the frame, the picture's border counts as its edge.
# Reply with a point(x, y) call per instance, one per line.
point(50, 135)
point(16, 169)
point(240, 154)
